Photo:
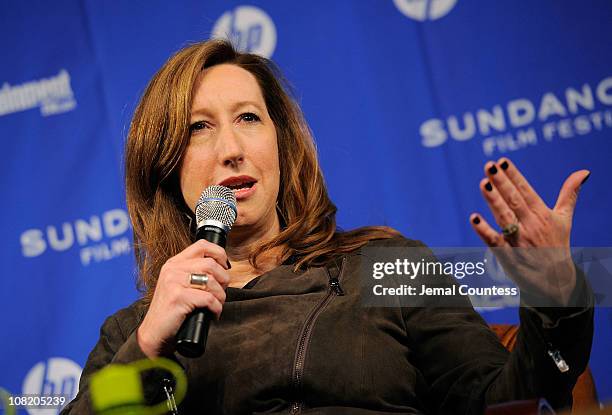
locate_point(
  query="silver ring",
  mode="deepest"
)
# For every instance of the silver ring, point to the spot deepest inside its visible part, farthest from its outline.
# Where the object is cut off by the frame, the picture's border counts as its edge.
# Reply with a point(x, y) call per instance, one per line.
point(198, 281)
point(510, 231)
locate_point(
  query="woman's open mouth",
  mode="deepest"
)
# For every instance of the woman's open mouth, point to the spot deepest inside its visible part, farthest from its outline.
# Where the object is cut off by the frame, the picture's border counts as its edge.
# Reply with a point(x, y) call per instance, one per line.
point(242, 186)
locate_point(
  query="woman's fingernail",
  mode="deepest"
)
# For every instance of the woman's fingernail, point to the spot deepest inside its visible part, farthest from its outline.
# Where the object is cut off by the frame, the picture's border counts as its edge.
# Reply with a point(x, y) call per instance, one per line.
point(585, 179)
point(504, 165)
point(492, 169)
point(476, 220)
point(229, 266)
point(488, 187)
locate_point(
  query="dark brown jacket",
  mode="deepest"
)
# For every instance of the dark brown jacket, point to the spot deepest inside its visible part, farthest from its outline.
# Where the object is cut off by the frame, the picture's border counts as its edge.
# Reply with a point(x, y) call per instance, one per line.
point(303, 342)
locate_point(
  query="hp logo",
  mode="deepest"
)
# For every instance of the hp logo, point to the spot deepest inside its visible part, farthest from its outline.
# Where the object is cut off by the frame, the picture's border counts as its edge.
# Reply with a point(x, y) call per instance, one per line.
point(56, 376)
point(249, 28)
point(422, 10)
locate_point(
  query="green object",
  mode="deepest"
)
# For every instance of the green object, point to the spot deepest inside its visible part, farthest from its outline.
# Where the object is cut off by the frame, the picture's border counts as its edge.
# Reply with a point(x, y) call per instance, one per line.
point(116, 385)
point(117, 389)
point(6, 404)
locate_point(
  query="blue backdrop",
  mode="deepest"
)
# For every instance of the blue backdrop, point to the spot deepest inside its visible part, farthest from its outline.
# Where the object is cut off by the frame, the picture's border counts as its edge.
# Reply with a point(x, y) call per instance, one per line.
point(407, 100)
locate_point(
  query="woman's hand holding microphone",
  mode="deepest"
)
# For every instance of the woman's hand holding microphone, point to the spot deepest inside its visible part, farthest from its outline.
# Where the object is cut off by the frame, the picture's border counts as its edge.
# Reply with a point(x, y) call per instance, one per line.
point(176, 297)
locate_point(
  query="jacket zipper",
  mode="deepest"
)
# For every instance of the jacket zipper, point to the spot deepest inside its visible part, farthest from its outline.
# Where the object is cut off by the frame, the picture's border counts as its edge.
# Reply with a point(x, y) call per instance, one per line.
point(553, 352)
point(555, 355)
point(170, 402)
point(298, 368)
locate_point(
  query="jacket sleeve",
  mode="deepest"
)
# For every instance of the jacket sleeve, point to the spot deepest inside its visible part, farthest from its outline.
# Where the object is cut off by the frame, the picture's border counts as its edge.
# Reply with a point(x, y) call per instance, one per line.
point(117, 344)
point(467, 368)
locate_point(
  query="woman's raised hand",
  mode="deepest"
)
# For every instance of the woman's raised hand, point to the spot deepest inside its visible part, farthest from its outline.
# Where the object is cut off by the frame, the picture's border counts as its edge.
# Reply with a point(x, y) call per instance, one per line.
point(527, 222)
point(175, 297)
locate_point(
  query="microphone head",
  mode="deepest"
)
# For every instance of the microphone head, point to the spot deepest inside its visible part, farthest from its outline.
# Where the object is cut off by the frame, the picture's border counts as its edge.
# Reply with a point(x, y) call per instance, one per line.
point(217, 204)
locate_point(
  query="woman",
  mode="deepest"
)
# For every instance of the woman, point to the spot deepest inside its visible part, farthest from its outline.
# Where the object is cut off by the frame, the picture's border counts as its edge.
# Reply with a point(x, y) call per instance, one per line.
point(291, 334)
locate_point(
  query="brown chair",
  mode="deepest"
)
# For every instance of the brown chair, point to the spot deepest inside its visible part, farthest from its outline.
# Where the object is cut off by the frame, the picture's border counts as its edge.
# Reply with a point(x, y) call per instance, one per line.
point(584, 393)
point(528, 407)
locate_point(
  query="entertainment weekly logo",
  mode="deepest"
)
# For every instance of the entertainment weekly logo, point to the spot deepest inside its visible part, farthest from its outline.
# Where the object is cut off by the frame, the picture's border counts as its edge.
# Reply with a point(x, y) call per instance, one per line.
point(53, 95)
point(99, 238)
point(522, 123)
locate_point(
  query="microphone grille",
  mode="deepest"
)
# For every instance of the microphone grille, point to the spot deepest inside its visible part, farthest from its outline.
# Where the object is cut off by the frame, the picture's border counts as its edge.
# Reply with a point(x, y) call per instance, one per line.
point(217, 203)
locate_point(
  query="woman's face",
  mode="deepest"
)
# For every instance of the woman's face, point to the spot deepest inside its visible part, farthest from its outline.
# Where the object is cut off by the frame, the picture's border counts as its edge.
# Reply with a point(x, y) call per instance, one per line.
point(233, 143)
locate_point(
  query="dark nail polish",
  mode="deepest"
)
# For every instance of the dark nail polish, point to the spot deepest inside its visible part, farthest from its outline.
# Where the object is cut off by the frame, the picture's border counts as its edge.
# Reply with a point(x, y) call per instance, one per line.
point(229, 266)
point(504, 165)
point(476, 220)
point(585, 179)
point(492, 169)
point(488, 187)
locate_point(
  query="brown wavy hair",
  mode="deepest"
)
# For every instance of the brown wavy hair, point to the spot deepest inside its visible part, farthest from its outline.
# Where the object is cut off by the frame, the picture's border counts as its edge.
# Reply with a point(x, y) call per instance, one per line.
point(156, 142)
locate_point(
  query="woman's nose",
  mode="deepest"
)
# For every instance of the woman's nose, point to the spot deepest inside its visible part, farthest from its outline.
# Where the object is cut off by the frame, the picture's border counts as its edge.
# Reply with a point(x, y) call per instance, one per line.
point(231, 152)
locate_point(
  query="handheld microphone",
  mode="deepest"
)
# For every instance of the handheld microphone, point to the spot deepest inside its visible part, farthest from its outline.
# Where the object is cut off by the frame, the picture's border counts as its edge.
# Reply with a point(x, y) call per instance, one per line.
point(216, 212)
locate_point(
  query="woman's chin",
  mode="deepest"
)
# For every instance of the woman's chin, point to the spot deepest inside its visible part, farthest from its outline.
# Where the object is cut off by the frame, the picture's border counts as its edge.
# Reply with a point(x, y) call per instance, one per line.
point(242, 222)
point(247, 223)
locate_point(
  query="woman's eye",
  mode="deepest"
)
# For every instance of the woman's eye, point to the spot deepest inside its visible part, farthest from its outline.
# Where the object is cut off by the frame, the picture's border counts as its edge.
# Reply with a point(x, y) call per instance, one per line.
point(197, 126)
point(249, 117)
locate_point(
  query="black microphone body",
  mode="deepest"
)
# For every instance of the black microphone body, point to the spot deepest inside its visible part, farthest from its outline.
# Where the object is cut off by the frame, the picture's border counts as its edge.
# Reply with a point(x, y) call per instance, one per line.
point(191, 337)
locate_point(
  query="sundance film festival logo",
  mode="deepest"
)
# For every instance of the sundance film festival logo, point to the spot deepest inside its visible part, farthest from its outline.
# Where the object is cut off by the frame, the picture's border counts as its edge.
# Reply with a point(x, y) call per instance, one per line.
point(522, 122)
point(423, 10)
point(100, 238)
point(249, 28)
point(53, 95)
